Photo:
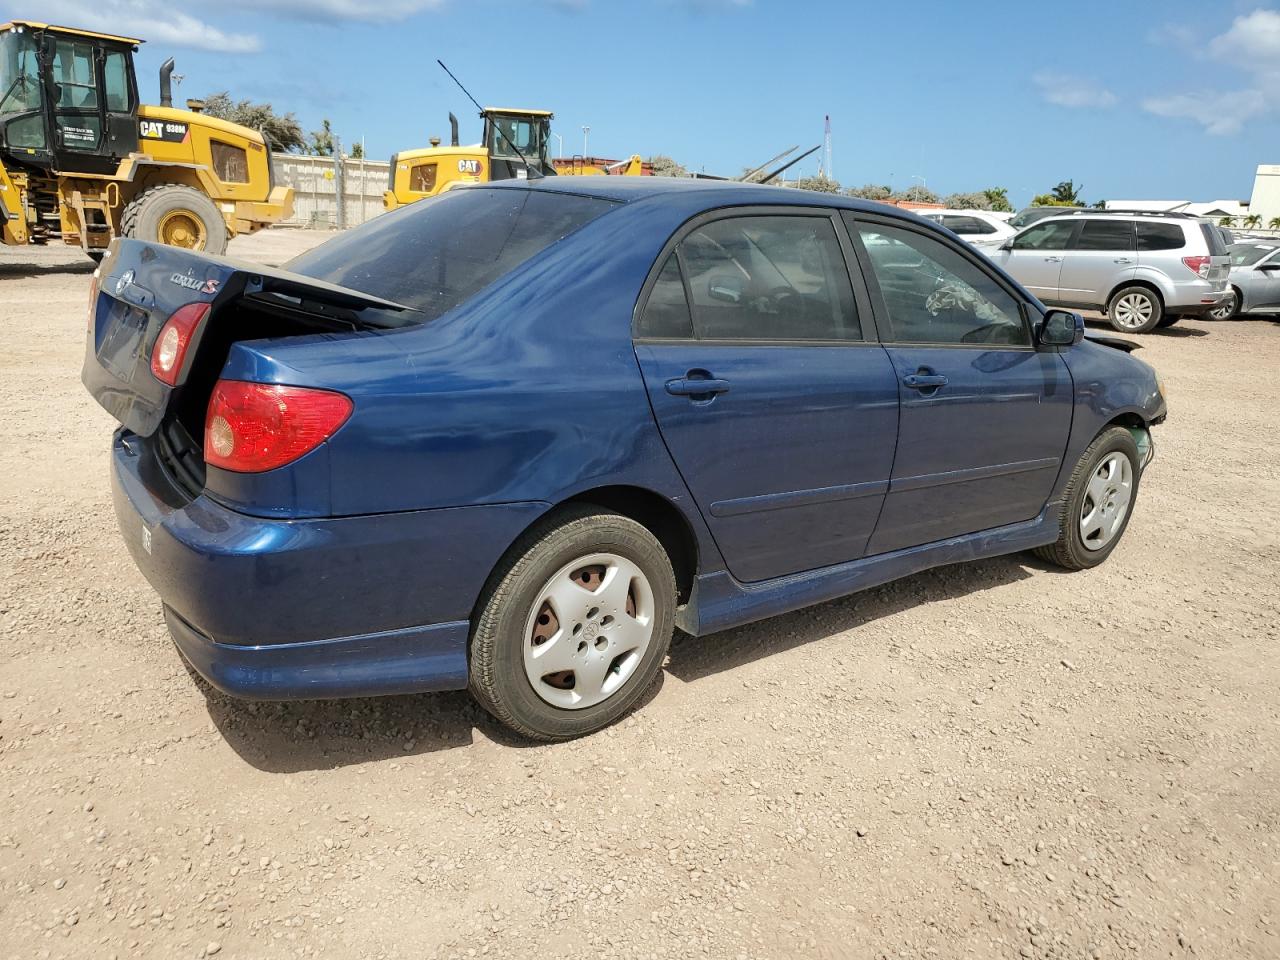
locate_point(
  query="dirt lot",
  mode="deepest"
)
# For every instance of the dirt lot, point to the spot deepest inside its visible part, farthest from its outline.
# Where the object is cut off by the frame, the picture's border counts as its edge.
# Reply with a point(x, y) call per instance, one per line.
point(993, 760)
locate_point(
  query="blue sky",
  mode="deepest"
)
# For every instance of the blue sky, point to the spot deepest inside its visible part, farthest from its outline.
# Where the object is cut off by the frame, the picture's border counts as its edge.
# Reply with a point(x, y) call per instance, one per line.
point(1172, 99)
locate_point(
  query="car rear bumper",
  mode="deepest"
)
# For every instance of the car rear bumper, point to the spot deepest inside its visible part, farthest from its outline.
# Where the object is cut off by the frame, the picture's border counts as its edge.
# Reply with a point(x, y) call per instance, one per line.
point(288, 609)
point(1197, 298)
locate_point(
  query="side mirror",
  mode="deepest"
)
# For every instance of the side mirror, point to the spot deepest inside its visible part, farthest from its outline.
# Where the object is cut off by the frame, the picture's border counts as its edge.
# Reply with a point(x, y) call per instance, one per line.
point(725, 289)
point(1061, 328)
point(1007, 245)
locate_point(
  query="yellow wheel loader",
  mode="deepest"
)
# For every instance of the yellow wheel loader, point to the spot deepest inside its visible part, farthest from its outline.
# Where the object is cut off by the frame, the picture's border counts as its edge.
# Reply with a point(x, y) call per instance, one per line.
point(513, 140)
point(82, 160)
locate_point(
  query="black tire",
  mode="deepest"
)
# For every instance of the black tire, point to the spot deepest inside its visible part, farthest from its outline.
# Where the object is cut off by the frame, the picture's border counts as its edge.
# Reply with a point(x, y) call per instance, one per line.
point(1115, 309)
point(143, 215)
point(1069, 550)
point(1169, 319)
point(1234, 312)
point(497, 673)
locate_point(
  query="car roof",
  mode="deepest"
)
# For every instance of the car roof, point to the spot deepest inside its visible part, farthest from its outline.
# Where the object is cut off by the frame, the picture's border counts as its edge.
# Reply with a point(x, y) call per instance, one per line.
point(679, 189)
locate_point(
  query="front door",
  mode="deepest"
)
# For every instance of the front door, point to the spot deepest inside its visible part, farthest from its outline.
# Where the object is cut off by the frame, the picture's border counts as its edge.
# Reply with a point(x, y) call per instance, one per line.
point(95, 111)
point(776, 402)
point(985, 416)
point(1101, 258)
point(1035, 256)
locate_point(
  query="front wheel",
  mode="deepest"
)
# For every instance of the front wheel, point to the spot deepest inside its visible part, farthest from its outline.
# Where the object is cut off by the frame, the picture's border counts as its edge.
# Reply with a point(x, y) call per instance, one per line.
point(1135, 310)
point(573, 629)
point(1228, 309)
point(177, 215)
point(1099, 501)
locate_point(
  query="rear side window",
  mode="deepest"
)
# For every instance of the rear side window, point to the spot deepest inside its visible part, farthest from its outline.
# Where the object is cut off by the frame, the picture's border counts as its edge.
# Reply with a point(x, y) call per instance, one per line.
point(970, 225)
point(769, 278)
point(1106, 235)
point(437, 253)
point(1160, 236)
point(666, 314)
point(1212, 236)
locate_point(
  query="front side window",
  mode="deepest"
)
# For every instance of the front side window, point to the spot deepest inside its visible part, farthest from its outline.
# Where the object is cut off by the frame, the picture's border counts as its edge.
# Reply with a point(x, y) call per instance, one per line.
point(74, 74)
point(1054, 235)
point(19, 74)
point(933, 294)
point(769, 278)
point(1114, 235)
point(1160, 236)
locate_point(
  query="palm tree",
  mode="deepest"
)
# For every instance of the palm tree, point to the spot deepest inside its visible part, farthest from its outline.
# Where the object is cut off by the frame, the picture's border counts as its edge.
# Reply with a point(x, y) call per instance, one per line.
point(1274, 223)
point(1252, 221)
point(1226, 221)
point(1068, 194)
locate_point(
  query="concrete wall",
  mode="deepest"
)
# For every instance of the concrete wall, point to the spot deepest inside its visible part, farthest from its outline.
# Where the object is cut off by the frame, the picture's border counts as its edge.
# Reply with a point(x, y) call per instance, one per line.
point(314, 181)
point(1265, 201)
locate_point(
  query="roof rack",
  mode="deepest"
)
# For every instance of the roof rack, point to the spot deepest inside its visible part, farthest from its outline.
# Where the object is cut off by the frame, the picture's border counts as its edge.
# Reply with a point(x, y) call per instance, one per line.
point(1171, 214)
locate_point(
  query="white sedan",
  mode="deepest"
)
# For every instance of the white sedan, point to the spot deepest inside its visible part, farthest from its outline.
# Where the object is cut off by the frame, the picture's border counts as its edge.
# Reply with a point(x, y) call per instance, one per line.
point(979, 227)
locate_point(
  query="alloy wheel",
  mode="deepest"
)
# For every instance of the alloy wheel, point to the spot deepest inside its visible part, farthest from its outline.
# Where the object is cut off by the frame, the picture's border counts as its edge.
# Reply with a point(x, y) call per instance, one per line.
point(1106, 501)
point(1133, 310)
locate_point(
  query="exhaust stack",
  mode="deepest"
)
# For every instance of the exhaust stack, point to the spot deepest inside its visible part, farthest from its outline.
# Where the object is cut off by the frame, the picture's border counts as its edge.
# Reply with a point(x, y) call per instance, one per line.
point(166, 85)
point(453, 127)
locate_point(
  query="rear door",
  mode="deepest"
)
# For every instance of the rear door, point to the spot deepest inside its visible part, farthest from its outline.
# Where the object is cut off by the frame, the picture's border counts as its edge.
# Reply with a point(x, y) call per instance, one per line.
point(1100, 258)
point(1263, 290)
point(984, 414)
point(776, 401)
point(1035, 256)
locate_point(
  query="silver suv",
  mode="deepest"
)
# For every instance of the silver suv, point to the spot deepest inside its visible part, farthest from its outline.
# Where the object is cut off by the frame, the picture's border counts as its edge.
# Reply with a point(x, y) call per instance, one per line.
point(1144, 270)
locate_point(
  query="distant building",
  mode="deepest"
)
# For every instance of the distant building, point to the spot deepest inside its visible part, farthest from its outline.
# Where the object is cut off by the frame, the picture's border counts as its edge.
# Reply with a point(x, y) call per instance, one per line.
point(1265, 201)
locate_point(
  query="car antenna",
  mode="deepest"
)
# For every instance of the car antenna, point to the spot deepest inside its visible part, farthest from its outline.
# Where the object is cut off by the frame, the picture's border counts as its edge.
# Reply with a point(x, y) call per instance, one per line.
point(529, 168)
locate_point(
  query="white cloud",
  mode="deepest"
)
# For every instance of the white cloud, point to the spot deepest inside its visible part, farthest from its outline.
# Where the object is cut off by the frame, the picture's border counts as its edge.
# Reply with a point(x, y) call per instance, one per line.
point(1251, 44)
point(1220, 114)
point(1066, 90)
point(152, 20)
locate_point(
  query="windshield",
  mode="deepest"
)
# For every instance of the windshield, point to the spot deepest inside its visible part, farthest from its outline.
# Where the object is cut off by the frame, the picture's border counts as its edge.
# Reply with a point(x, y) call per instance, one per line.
point(19, 73)
point(434, 254)
point(1247, 254)
point(529, 134)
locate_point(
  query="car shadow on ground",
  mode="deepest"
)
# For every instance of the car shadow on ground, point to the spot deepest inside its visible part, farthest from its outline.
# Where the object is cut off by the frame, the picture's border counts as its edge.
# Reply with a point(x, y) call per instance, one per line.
point(296, 736)
point(301, 735)
point(693, 658)
point(1100, 323)
point(20, 270)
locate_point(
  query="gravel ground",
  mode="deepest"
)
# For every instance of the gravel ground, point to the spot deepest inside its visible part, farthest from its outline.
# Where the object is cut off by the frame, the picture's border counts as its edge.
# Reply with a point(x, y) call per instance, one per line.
point(990, 760)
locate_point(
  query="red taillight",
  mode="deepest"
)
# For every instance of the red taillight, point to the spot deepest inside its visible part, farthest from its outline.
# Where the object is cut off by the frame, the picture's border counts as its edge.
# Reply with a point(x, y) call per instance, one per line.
point(170, 348)
point(1198, 265)
point(253, 427)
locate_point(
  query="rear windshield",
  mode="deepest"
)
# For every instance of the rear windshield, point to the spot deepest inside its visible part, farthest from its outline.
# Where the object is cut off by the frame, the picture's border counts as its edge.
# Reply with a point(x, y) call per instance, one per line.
point(1247, 254)
point(1217, 248)
point(436, 253)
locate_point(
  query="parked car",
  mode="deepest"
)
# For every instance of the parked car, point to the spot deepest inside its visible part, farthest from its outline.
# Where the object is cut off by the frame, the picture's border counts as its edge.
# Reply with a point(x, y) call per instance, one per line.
point(1144, 270)
point(1254, 279)
point(975, 226)
point(508, 438)
point(1029, 215)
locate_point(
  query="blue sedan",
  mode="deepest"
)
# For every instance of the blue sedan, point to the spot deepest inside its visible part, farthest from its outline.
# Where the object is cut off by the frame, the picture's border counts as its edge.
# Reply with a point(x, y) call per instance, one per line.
point(510, 438)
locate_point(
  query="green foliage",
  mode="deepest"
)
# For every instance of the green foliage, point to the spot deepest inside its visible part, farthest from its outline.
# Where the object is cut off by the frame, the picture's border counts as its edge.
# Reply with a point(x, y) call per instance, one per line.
point(998, 199)
point(357, 151)
point(1252, 221)
point(664, 166)
point(1049, 200)
point(820, 184)
point(870, 191)
point(967, 201)
point(917, 194)
point(282, 132)
point(1226, 221)
point(322, 140)
point(1274, 223)
point(1068, 194)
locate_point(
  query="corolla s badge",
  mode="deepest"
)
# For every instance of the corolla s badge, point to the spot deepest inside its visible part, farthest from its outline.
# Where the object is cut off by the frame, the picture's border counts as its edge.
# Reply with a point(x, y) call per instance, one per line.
point(193, 283)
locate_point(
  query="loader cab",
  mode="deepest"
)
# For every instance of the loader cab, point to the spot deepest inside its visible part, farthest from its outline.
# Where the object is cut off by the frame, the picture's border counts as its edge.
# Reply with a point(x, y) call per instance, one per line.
point(528, 130)
point(68, 98)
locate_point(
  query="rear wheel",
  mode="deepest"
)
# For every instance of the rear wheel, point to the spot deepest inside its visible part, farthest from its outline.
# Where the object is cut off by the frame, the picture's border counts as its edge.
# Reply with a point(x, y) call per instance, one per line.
point(573, 629)
point(177, 215)
point(1099, 502)
point(1229, 309)
point(1135, 310)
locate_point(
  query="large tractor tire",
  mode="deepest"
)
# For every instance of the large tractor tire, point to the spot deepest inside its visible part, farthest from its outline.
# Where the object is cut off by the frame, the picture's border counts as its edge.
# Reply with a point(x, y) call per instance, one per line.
point(178, 215)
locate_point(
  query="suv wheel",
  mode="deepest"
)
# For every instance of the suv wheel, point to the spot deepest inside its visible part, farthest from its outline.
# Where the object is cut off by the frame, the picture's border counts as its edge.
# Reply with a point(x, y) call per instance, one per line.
point(1135, 310)
point(573, 629)
point(1229, 309)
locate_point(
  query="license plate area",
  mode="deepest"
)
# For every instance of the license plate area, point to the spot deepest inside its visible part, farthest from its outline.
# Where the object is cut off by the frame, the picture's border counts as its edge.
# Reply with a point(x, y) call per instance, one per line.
point(122, 348)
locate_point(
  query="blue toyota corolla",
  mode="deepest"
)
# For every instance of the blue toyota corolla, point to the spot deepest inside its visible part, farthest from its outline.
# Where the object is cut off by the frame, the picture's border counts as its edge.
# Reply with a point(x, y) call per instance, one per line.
point(510, 438)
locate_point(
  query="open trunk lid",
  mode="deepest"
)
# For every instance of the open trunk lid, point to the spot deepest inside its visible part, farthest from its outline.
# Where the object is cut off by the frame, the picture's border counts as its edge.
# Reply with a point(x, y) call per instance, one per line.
point(141, 285)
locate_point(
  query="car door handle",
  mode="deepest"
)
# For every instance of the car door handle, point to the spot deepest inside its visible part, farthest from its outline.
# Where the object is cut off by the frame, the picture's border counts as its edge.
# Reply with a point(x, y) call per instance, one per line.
point(696, 386)
point(1052, 259)
point(924, 381)
point(1123, 260)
